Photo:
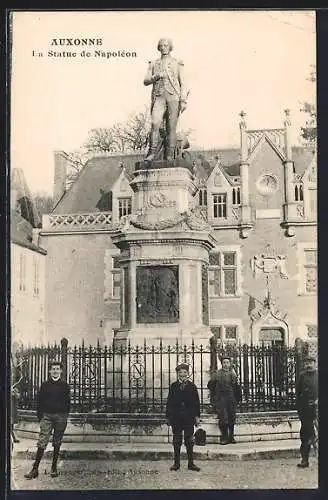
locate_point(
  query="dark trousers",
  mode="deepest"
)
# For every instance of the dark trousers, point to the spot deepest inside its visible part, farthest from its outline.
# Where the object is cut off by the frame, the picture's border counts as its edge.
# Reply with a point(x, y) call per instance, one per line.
point(307, 415)
point(185, 426)
point(226, 410)
point(55, 422)
point(182, 426)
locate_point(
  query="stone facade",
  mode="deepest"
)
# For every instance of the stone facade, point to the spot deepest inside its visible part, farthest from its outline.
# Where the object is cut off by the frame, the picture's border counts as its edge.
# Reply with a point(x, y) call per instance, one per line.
point(262, 213)
point(27, 267)
point(27, 296)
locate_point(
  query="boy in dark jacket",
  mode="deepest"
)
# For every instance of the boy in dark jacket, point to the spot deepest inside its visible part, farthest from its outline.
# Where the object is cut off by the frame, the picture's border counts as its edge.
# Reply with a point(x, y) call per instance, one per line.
point(306, 403)
point(182, 413)
point(226, 394)
point(53, 407)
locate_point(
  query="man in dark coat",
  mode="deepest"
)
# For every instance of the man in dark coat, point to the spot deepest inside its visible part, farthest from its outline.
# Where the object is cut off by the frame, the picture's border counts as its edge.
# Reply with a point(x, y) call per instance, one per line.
point(306, 403)
point(226, 394)
point(53, 406)
point(182, 413)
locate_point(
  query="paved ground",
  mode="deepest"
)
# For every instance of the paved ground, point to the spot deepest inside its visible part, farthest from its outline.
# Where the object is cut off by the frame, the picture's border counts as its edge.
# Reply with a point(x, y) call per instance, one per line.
point(105, 475)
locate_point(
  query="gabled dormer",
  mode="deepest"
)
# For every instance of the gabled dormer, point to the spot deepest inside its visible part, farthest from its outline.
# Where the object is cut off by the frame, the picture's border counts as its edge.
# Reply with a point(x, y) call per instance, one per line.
point(266, 157)
point(223, 196)
point(274, 137)
point(122, 196)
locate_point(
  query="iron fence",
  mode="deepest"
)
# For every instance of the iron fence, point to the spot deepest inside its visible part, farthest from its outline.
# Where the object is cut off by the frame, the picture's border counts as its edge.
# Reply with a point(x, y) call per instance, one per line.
point(135, 379)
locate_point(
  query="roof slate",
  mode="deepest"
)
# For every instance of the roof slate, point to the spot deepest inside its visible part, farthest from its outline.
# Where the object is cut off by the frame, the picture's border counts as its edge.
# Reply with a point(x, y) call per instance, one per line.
point(99, 174)
point(22, 232)
point(96, 178)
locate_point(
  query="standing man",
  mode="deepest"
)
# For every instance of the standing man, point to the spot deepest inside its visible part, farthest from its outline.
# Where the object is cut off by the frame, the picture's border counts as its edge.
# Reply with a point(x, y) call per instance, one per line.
point(53, 405)
point(227, 394)
point(182, 413)
point(168, 97)
point(307, 403)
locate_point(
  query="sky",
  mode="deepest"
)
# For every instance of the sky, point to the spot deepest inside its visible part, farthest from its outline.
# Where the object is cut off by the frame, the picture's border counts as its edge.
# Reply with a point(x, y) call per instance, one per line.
point(256, 61)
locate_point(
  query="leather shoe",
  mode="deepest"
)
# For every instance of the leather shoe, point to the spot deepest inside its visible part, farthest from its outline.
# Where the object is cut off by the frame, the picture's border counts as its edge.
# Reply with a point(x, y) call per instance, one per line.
point(303, 465)
point(175, 467)
point(193, 467)
point(32, 474)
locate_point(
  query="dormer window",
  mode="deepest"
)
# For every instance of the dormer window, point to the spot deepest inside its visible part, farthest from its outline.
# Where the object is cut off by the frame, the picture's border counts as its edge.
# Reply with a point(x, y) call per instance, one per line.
point(298, 192)
point(124, 206)
point(202, 197)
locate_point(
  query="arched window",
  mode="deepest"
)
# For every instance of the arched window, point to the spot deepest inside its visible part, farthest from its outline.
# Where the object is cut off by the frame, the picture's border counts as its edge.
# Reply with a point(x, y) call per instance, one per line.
point(236, 196)
point(299, 192)
point(202, 197)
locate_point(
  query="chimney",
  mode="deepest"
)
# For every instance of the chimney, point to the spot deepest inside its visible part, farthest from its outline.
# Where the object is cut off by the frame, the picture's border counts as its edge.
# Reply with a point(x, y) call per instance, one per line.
point(60, 175)
point(36, 236)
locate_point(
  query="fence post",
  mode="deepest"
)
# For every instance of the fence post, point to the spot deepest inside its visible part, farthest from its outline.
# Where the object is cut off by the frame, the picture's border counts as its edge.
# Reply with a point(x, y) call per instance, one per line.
point(300, 350)
point(63, 355)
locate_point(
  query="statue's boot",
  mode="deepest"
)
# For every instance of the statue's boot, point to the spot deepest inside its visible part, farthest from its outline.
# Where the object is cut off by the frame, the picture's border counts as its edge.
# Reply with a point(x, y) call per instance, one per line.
point(170, 154)
point(151, 154)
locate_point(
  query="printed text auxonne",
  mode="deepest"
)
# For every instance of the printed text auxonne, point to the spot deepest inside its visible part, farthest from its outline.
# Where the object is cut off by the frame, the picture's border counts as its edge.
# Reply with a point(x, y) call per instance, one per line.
point(76, 41)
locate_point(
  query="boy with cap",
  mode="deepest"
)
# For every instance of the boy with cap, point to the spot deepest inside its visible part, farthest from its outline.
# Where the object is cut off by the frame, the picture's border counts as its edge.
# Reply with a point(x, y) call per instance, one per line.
point(53, 405)
point(182, 413)
point(227, 395)
point(306, 403)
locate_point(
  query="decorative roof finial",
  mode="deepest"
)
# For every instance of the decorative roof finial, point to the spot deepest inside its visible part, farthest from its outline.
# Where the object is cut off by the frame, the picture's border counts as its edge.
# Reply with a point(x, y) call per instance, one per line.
point(287, 121)
point(242, 122)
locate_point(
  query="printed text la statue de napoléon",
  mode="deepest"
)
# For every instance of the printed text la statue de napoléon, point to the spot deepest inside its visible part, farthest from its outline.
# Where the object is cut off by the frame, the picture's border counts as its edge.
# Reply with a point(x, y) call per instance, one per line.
point(93, 48)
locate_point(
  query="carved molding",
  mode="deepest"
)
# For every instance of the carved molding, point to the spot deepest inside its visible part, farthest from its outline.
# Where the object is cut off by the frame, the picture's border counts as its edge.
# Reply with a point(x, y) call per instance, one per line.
point(190, 220)
point(269, 264)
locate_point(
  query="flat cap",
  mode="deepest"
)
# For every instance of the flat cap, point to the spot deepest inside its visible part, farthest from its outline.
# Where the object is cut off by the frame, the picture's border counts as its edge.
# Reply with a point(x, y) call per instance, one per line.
point(182, 366)
point(225, 357)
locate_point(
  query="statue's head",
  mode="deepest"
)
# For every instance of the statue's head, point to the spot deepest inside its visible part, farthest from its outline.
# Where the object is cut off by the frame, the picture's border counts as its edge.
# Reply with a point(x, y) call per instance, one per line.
point(165, 46)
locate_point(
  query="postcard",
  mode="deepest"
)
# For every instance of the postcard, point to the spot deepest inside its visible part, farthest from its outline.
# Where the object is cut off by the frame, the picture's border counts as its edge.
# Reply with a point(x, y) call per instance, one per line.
point(163, 250)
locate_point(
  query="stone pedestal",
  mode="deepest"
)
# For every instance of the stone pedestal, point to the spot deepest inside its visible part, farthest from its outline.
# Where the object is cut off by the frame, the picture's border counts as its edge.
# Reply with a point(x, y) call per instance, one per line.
point(164, 260)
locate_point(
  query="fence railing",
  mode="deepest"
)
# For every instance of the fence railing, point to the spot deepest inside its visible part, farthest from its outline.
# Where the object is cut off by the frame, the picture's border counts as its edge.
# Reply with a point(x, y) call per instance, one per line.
point(135, 379)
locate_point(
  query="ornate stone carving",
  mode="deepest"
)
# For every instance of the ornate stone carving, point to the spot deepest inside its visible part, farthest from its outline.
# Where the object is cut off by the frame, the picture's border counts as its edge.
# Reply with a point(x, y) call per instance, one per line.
point(300, 210)
point(73, 220)
point(140, 221)
point(157, 199)
point(157, 294)
point(269, 264)
point(236, 212)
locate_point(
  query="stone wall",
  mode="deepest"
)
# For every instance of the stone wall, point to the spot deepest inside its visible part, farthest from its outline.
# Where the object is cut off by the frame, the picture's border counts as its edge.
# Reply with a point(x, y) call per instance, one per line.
point(147, 428)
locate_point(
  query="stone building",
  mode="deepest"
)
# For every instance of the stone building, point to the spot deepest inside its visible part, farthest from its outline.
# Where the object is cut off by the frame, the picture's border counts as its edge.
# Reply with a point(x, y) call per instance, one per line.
point(27, 267)
point(259, 199)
